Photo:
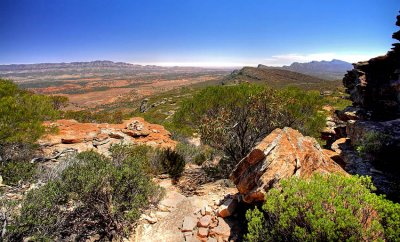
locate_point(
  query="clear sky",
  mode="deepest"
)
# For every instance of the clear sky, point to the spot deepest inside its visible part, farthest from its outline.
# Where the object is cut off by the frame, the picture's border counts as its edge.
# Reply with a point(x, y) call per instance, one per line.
point(195, 32)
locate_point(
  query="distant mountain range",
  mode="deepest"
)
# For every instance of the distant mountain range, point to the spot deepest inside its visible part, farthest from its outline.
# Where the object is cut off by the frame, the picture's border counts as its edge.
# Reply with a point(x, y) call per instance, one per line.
point(91, 65)
point(48, 66)
point(330, 70)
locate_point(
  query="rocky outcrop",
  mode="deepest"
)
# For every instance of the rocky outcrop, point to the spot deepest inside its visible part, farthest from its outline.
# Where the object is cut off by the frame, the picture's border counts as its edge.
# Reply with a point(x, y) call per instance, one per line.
point(372, 146)
point(374, 85)
point(335, 127)
point(73, 135)
point(282, 154)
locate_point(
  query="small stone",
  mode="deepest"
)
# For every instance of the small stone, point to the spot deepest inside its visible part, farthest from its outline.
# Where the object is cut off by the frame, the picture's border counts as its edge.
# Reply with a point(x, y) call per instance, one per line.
point(150, 219)
point(203, 211)
point(227, 208)
point(208, 210)
point(222, 229)
point(136, 134)
point(14, 196)
point(204, 221)
point(161, 214)
point(70, 140)
point(188, 224)
point(188, 236)
point(94, 238)
point(116, 135)
point(214, 223)
point(202, 232)
point(375, 171)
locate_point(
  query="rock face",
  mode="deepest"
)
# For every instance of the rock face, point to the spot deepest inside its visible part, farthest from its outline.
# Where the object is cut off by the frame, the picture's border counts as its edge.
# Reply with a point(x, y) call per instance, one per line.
point(373, 121)
point(87, 136)
point(374, 85)
point(282, 154)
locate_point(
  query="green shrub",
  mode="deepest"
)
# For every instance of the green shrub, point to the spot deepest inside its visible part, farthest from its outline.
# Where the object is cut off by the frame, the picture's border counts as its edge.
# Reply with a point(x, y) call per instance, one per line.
point(195, 154)
point(22, 114)
point(199, 159)
point(94, 195)
point(324, 208)
point(150, 156)
point(172, 162)
point(16, 171)
point(372, 143)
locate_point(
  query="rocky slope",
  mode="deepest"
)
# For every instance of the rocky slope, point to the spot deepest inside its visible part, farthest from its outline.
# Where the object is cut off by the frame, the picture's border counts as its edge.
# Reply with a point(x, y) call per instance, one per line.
point(330, 70)
point(278, 77)
point(282, 154)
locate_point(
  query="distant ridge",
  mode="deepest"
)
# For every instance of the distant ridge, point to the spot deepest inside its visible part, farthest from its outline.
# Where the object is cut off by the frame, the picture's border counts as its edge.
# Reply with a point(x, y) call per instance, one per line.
point(279, 77)
point(63, 65)
point(330, 70)
point(89, 65)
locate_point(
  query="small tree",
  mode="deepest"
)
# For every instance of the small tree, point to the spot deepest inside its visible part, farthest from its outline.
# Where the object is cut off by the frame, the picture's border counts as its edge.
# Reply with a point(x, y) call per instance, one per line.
point(22, 114)
point(235, 129)
point(59, 102)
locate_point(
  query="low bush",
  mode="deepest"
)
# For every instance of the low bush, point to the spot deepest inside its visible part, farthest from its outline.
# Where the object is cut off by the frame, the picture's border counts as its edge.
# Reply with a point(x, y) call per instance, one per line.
point(172, 162)
point(195, 154)
point(324, 208)
point(372, 143)
point(14, 172)
point(150, 156)
point(93, 195)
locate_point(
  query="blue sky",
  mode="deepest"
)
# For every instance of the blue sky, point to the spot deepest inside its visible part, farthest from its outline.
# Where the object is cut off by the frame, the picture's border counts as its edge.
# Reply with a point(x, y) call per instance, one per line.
point(195, 32)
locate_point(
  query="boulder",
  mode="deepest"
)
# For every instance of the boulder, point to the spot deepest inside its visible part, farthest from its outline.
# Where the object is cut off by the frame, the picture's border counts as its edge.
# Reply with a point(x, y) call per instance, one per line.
point(144, 105)
point(282, 154)
point(350, 113)
point(339, 145)
point(227, 208)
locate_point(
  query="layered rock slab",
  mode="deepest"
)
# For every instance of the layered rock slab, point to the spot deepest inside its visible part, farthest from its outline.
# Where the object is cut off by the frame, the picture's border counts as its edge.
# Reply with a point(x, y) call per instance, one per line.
point(282, 154)
point(92, 136)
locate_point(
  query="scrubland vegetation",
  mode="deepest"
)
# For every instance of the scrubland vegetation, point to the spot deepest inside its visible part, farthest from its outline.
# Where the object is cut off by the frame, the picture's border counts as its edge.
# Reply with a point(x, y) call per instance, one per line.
point(91, 194)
